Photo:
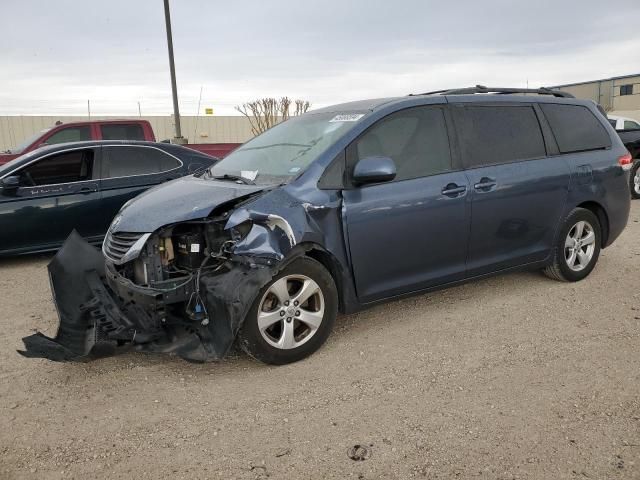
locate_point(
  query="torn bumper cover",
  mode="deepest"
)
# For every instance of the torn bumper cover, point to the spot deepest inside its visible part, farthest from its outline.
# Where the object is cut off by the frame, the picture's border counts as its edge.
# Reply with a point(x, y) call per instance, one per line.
point(188, 290)
point(101, 316)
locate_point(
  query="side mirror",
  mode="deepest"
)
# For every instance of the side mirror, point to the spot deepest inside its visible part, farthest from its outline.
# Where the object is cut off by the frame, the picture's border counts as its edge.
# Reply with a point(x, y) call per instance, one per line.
point(9, 184)
point(374, 170)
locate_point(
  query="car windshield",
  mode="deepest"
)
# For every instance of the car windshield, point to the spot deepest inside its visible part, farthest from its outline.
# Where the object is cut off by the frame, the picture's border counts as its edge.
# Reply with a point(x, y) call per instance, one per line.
point(20, 148)
point(284, 151)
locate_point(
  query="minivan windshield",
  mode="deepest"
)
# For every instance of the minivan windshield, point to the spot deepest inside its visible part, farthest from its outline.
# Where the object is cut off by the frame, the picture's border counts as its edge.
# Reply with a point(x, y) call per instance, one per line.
point(284, 151)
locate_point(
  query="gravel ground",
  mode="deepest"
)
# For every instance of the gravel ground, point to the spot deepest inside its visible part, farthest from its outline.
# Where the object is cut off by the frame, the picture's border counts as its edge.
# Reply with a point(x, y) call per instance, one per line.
point(516, 376)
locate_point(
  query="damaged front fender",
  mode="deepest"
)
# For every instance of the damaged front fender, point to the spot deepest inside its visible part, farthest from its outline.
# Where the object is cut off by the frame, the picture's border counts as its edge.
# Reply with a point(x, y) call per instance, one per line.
point(270, 236)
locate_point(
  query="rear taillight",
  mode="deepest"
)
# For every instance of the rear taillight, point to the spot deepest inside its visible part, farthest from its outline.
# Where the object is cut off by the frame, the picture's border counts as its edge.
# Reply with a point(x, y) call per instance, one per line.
point(626, 161)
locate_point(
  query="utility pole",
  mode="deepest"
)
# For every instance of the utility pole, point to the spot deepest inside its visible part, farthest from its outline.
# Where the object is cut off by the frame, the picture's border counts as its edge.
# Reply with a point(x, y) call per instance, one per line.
point(172, 68)
point(89, 109)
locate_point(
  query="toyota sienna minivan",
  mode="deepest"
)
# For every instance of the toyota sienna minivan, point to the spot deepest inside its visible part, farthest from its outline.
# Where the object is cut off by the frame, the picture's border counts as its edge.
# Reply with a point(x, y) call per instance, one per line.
point(339, 209)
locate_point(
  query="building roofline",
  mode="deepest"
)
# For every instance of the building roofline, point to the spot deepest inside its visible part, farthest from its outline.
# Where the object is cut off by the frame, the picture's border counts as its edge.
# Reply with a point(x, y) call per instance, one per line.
point(596, 81)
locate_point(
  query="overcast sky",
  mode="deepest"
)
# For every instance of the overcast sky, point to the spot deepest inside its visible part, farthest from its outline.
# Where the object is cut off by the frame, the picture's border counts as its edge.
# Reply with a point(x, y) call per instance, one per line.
point(57, 54)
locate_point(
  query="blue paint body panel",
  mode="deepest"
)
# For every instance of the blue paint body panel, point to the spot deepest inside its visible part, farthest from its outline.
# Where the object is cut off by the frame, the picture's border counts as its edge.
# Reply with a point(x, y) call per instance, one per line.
point(396, 238)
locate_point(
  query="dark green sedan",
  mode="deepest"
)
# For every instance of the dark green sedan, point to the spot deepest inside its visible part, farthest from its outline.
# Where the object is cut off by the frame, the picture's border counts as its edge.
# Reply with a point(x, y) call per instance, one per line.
point(47, 193)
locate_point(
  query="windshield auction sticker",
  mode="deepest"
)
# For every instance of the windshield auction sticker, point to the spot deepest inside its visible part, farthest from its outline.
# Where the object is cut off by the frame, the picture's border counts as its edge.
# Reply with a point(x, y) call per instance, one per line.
point(347, 117)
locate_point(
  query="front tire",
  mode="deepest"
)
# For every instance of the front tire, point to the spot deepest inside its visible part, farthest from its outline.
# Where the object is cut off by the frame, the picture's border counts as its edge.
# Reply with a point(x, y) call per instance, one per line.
point(634, 180)
point(578, 247)
point(292, 315)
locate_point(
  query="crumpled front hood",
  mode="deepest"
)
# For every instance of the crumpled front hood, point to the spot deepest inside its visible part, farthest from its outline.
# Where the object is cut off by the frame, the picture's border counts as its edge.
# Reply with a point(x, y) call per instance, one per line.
point(186, 198)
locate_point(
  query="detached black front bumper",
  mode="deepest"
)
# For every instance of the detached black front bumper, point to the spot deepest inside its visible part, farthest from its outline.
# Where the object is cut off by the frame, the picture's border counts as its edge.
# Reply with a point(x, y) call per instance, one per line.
point(102, 314)
point(92, 323)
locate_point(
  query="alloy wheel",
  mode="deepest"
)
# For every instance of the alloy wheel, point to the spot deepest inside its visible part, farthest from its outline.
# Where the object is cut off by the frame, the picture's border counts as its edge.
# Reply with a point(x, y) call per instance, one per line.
point(636, 182)
point(291, 311)
point(579, 246)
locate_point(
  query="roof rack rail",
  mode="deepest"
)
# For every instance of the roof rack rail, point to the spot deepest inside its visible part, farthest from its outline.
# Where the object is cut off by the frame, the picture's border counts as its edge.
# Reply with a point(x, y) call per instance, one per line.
point(498, 90)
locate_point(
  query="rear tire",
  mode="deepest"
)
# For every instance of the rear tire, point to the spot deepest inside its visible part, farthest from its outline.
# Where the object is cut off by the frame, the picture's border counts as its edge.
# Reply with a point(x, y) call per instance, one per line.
point(634, 180)
point(578, 247)
point(292, 315)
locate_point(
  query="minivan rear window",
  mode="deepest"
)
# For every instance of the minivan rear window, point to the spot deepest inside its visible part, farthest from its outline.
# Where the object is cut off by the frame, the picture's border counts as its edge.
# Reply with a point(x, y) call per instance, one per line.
point(576, 128)
point(494, 135)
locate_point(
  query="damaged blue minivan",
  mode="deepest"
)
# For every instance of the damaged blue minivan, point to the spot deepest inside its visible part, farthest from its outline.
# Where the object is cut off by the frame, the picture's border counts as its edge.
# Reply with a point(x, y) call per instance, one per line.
point(337, 210)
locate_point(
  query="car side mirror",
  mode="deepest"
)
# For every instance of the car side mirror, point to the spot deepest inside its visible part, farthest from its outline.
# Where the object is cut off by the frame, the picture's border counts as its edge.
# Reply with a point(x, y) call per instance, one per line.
point(9, 184)
point(195, 168)
point(374, 170)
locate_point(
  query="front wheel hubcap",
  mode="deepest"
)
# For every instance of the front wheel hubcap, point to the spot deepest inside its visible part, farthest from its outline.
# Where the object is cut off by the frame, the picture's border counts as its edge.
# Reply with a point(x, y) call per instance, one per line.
point(636, 182)
point(291, 311)
point(579, 246)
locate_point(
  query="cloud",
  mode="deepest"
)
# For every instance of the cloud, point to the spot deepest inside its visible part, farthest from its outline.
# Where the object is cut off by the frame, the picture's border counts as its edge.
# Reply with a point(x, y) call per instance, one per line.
point(114, 53)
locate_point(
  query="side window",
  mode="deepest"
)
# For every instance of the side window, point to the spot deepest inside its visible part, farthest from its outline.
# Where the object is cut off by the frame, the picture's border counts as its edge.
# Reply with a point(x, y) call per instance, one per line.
point(630, 125)
point(576, 129)
point(613, 122)
point(70, 134)
point(67, 167)
point(494, 135)
point(122, 131)
point(626, 89)
point(415, 139)
point(128, 161)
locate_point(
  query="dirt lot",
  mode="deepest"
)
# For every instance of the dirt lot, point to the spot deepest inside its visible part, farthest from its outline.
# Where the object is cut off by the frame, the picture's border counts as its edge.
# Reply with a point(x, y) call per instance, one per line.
point(516, 376)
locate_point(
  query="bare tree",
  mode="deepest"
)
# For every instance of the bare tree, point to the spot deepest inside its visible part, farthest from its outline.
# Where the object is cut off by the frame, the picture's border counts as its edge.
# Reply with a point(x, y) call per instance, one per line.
point(264, 113)
point(301, 107)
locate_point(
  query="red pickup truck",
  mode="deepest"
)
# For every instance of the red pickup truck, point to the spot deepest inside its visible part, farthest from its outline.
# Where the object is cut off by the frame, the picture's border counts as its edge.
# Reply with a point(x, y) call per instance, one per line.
point(104, 130)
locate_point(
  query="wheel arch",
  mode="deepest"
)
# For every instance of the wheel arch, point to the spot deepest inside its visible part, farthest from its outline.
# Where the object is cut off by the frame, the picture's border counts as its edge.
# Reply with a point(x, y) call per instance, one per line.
point(598, 210)
point(342, 280)
point(635, 169)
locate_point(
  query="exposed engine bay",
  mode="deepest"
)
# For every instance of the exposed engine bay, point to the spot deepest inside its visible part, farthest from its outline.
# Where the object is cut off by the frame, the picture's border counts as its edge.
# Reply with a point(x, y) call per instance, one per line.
point(173, 259)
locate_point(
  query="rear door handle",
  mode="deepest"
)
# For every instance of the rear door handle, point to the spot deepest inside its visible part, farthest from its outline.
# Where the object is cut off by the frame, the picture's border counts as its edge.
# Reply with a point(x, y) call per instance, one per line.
point(453, 190)
point(485, 184)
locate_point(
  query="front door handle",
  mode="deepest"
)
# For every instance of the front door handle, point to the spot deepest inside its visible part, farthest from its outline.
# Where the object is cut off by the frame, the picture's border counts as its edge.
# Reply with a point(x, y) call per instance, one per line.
point(86, 190)
point(453, 190)
point(485, 184)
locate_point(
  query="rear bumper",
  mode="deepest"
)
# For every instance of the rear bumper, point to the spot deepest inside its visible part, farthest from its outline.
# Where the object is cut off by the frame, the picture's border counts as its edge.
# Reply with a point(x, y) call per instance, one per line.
point(618, 209)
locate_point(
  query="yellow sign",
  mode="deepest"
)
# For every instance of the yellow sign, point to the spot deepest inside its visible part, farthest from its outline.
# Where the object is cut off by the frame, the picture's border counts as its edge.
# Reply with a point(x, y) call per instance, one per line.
point(208, 111)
